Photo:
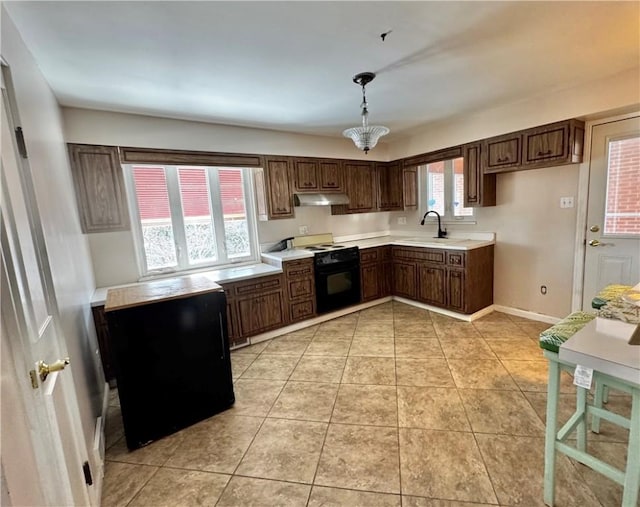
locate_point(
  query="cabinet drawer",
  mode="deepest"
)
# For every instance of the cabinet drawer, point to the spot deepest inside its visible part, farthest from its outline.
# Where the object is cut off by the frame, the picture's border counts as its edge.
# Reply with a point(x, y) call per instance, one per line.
point(262, 285)
point(299, 269)
point(431, 255)
point(301, 310)
point(369, 255)
point(300, 288)
point(455, 259)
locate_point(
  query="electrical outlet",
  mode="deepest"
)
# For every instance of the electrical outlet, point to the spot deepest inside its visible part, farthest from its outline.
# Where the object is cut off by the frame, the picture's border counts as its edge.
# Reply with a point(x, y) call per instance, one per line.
point(402, 220)
point(303, 229)
point(566, 202)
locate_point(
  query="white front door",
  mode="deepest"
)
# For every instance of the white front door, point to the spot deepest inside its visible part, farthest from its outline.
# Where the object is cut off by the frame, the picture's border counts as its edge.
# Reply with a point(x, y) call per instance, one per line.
point(52, 453)
point(612, 252)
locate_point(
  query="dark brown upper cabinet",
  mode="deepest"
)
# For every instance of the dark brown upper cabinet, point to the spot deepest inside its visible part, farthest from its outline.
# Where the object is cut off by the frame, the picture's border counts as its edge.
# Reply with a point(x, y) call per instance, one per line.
point(330, 173)
point(546, 146)
point(479, 187)
point(99, 185)
point(501, 153)
point(554, 144)
point(278, 182)
point(410, 188)
point(361, 185)
point(391, 183)
point(317, 175)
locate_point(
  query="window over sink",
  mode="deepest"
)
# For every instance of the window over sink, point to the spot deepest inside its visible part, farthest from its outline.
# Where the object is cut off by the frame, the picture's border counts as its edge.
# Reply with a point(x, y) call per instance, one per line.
point(442, 190)
point(189, 217)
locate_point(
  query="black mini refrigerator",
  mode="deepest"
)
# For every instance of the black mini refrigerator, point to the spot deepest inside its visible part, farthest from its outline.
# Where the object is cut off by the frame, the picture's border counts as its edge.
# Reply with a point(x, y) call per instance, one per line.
point(172, 364)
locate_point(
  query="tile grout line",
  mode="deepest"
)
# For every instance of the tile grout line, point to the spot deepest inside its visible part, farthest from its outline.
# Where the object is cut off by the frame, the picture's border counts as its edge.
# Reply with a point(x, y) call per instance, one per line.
point(324, 440)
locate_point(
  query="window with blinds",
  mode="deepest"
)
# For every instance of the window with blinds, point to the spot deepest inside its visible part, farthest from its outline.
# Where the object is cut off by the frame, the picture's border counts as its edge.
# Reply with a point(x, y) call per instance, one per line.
point(191, 216)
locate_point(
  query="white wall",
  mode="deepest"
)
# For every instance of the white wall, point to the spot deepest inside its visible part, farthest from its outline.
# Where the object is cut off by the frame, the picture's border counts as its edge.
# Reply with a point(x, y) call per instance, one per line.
point(113, 254)
point(67, 248)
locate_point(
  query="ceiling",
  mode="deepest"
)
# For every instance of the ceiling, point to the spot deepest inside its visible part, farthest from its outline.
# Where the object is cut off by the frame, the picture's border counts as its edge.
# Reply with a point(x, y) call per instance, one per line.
point(288, 65)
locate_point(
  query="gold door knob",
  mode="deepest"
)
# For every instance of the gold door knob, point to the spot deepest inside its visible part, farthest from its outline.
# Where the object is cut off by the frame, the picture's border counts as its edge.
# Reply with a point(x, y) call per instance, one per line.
point(44, 369)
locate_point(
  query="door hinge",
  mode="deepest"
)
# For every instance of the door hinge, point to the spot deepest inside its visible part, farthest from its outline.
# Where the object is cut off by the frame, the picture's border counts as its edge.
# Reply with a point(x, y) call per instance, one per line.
point(34, 379)
point(87, 473)
point(22, 147)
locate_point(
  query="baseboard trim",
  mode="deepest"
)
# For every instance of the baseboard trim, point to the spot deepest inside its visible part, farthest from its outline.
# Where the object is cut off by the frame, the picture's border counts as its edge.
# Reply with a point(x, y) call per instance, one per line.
point(460, 316)
point(526, 314)
point(99, 444)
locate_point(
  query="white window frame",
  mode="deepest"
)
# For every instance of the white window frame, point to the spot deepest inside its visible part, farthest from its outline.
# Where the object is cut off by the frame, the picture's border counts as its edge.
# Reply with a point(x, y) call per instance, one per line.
point(177, 220)
point(423, 196)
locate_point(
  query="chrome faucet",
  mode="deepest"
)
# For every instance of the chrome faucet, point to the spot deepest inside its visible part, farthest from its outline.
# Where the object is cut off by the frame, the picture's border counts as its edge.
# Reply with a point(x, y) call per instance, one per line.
point(441, 233)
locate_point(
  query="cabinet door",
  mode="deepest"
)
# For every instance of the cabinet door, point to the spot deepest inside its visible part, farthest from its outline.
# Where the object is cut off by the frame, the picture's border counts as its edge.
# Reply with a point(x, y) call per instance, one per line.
point(455, 286)
point(260, 313)
point(546, 144)
point(404, 280)
point(410, 188)
point(279, 196)
point(502, 153)
point(391, 179)
point(330, 175)
point(99, 184)
point(479, 188)
point(431, 285)
point(305, 175)
point(370, 282)
point(361, 187)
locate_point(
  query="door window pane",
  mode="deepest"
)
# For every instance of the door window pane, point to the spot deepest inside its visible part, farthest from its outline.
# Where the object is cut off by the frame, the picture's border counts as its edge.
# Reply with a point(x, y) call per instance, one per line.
point(435, 185)
point(155, 217)
point(234, 211)
point(196, 211)
point(622, 211)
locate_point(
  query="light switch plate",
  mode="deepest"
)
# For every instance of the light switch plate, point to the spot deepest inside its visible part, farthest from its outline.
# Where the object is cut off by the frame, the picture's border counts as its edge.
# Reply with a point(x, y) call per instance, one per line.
point(402, 220)
point(303, 229)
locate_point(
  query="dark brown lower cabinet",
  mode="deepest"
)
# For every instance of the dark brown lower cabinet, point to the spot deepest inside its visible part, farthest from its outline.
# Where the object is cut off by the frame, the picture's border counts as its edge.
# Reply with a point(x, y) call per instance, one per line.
point(404, 279)
point(301, 293)
point(460, 280)
point(432, 285)
point(375, 275)
point(254, 306)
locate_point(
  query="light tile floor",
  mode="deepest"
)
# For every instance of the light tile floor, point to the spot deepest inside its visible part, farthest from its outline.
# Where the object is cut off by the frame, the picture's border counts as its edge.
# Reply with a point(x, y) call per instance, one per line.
point(389, 406)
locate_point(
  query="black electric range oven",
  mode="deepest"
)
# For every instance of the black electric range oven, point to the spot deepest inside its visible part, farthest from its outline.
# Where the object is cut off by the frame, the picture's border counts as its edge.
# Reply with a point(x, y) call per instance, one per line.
point(337, 275)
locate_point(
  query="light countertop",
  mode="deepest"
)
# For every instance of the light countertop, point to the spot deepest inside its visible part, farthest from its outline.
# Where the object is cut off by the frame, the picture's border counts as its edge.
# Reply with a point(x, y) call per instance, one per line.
point(217, 276)
point(452, 243)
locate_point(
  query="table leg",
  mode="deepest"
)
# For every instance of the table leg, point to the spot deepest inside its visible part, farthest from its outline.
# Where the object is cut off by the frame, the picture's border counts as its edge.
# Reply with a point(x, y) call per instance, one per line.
point(632, 474)
point(581, 407)
point(553, 389)
point(598, 400)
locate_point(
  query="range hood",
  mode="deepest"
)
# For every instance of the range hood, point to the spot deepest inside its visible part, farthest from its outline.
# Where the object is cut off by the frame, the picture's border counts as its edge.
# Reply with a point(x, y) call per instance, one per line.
point(319, 199)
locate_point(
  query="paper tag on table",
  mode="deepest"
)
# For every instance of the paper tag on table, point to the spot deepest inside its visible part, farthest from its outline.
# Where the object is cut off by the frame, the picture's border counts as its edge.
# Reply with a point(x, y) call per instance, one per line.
point(583, 376)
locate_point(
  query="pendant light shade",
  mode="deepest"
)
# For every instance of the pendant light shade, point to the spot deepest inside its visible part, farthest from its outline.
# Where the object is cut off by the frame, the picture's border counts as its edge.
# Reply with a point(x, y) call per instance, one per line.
point(366, 136)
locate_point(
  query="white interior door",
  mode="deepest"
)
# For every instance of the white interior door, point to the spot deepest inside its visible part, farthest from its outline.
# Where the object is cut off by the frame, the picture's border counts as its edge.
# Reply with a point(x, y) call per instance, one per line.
point(612, 253)
point(50, 428)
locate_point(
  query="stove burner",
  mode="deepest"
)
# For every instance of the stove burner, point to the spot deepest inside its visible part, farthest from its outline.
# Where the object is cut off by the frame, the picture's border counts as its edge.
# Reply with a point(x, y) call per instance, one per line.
point(314, 248)
point(337, 246)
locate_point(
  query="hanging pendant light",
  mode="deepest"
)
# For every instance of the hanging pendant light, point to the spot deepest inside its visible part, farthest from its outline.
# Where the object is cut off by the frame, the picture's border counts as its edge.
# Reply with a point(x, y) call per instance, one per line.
point(365, 137)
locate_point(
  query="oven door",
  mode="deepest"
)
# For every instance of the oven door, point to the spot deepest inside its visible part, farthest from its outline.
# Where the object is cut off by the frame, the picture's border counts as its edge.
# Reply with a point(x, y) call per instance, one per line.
point(337, 286)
